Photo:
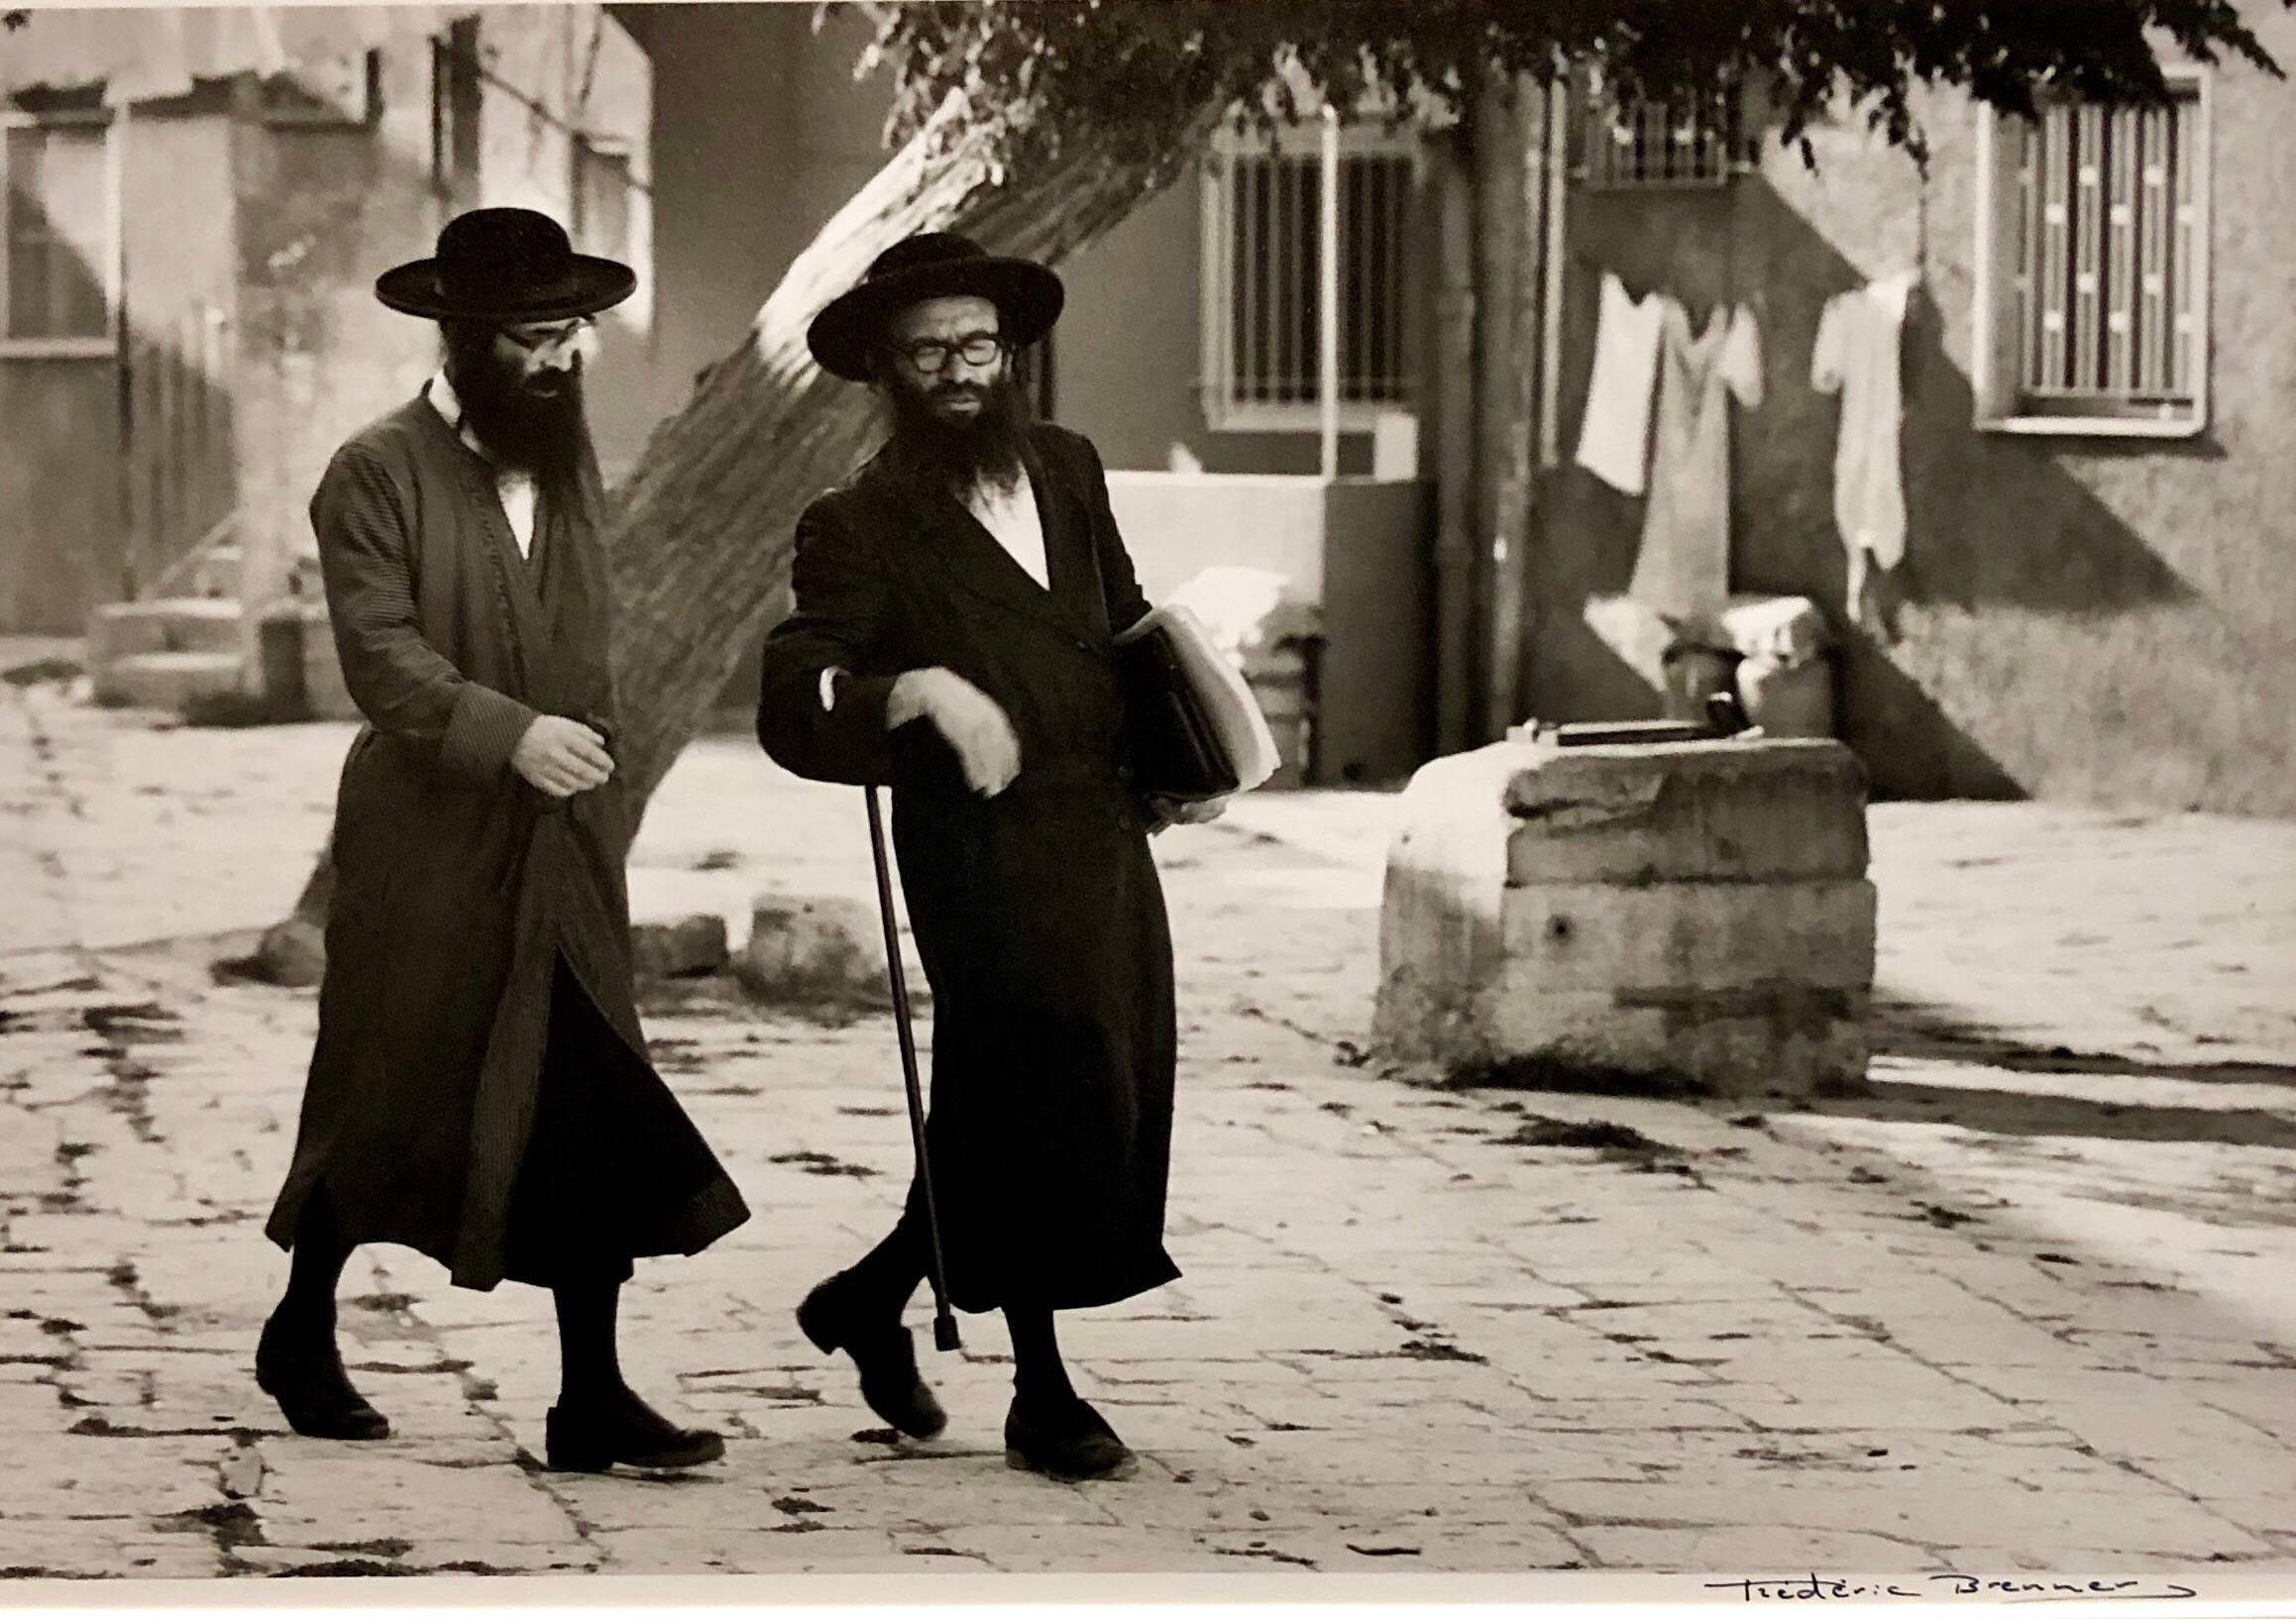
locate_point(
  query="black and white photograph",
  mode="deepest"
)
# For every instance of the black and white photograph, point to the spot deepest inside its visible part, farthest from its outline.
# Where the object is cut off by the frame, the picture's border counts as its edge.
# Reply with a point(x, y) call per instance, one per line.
point(1256, 800)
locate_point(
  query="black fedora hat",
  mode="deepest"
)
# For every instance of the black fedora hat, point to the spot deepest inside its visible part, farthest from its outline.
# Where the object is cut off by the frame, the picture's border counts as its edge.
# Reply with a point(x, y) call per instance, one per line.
point(933, 265)
point(505, 265)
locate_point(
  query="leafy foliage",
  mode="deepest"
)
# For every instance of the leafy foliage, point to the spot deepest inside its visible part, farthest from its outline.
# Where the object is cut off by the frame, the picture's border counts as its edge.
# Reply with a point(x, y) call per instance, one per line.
point(1129, 77)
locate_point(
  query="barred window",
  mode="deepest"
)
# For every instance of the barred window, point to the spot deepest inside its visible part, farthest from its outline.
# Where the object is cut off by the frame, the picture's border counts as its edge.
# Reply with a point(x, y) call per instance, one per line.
point(1262, 294)
point(1627, 146)
point(2098, 267)
point(58, 274)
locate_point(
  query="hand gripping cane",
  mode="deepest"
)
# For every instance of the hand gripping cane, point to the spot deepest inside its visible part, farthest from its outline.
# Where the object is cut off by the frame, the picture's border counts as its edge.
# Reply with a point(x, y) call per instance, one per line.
point(943, 1323)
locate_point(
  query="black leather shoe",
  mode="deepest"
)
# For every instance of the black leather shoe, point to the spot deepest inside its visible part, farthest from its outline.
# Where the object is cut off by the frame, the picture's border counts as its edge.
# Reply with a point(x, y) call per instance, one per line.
point(883, 1353)
point(593, 1436)
point(313, 1390)
point(1066, 1441)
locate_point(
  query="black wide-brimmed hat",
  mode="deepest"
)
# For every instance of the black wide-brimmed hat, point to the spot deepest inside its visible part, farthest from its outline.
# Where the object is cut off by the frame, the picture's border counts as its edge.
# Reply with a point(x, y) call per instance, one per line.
point(505, 265)
point(933, 265)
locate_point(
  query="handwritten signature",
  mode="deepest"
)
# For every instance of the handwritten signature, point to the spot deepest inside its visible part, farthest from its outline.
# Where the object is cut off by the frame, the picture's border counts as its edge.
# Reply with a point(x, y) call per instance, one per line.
point(1814, 1588)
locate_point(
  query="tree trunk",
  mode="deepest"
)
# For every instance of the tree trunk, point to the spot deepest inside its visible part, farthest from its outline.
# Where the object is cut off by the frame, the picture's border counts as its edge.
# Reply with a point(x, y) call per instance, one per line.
point(699, 539)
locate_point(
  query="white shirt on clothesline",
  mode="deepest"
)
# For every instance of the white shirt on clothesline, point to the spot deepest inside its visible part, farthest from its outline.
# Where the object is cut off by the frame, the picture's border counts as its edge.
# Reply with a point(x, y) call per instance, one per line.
point(1614, 431)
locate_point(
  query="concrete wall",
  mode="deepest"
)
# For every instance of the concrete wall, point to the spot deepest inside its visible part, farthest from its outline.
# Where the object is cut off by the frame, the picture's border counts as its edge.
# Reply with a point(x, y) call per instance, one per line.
point(2113, 621)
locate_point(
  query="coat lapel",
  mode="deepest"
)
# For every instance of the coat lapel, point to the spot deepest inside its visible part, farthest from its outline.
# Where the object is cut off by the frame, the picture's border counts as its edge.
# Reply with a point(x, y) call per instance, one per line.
point(949, 540)
point(515, 589)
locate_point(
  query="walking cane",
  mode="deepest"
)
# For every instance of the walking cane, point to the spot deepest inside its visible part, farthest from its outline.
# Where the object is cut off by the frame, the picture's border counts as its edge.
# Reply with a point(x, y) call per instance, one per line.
point(943, 1323)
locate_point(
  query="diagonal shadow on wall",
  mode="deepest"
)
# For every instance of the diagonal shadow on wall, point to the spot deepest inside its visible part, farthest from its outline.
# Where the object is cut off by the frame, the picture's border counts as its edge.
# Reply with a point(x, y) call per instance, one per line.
point(1993, 523)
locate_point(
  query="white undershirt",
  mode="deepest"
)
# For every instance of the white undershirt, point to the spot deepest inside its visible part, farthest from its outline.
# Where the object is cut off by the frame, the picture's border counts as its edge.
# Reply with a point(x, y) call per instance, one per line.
point(514, 488)
point(1011, 516)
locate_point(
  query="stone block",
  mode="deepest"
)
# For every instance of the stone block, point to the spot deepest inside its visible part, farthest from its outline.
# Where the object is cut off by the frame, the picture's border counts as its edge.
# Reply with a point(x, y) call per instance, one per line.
point(806, 949)
point(1689, 937)
point(1688, 812)
point(690, 947)
point(168, 681)
point(126, 629)
point(1696, 914)
point(1773, 1040)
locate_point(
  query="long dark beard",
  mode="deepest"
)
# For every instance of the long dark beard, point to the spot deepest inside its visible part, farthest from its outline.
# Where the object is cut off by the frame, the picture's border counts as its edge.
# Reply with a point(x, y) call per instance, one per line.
point(961, 451)
point(537, 425)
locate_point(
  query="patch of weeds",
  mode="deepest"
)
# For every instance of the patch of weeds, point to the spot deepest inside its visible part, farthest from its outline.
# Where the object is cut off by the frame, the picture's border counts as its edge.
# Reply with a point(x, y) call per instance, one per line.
point(795, 1504)
point(1942, 1218)
point(388, 1547)
point(1545, 1073)
point(821, 1164)
point(232, 1523)
point(717, 860)
point(384, 1303)
point(39, 672)
point(1266, 1552)
point(111, 1021)
point(1424, 1348)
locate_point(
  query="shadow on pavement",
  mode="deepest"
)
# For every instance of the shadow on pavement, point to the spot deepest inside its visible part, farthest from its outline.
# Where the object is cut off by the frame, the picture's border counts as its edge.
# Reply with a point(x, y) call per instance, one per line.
point(2101, 1108)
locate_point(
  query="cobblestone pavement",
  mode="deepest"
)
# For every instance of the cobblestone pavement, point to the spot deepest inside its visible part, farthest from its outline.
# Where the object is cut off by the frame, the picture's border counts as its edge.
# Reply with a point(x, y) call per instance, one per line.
point(2023, 1307)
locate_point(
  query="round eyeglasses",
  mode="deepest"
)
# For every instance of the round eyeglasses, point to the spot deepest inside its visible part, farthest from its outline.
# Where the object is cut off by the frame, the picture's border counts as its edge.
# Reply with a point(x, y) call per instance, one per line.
point(554, 339)
point(930, 356)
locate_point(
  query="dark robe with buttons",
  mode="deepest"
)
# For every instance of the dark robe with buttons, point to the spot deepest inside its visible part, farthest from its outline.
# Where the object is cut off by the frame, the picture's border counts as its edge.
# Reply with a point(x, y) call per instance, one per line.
point(480, 1090)
point(1037, 913)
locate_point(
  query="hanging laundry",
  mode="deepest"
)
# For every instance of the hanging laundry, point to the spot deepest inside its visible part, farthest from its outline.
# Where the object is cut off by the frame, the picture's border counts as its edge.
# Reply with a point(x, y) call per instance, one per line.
point(1614, 432)
point(1682, 572)
point(1858, 356)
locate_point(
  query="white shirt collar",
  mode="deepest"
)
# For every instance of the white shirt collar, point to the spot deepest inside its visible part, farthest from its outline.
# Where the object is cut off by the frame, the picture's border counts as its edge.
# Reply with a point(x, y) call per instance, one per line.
point(444, 401)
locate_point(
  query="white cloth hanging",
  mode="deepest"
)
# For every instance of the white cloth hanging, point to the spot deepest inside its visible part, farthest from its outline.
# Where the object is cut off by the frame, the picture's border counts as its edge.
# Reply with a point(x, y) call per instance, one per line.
point(1859, 355)
point(1683, 570)
point(1614, 432)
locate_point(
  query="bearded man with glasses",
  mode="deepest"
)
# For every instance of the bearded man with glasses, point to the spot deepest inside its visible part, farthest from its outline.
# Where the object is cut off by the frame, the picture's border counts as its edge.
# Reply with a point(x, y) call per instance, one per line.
point(480, 1090)
point(956, 606)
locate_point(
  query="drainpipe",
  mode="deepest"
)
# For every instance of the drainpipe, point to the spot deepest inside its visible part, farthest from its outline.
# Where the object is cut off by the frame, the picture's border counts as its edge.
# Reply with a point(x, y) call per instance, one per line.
point(1551, 295)
point(1328, 297)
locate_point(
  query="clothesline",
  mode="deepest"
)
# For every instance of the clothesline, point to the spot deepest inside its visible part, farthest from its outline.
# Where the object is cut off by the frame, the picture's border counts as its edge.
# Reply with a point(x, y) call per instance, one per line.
point(1657, 423)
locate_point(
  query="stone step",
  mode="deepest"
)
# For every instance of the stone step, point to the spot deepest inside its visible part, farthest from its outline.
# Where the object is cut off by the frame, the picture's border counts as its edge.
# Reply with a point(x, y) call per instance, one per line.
point(172, 681)
point(126, 629)
point(217, 574)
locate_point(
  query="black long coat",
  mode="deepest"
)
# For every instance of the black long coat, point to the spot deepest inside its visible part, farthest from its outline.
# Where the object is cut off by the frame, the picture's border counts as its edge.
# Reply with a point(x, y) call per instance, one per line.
point(1037, 913)
point(463, 893)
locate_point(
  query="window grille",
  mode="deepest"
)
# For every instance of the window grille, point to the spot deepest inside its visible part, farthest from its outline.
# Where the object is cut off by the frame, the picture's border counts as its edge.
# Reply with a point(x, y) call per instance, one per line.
point(2101, 216)
point(1627, 146)
point(1264, 280)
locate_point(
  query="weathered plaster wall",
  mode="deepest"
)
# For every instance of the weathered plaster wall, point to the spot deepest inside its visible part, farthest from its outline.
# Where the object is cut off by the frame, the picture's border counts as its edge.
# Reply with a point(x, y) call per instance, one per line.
point(2107, 620)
